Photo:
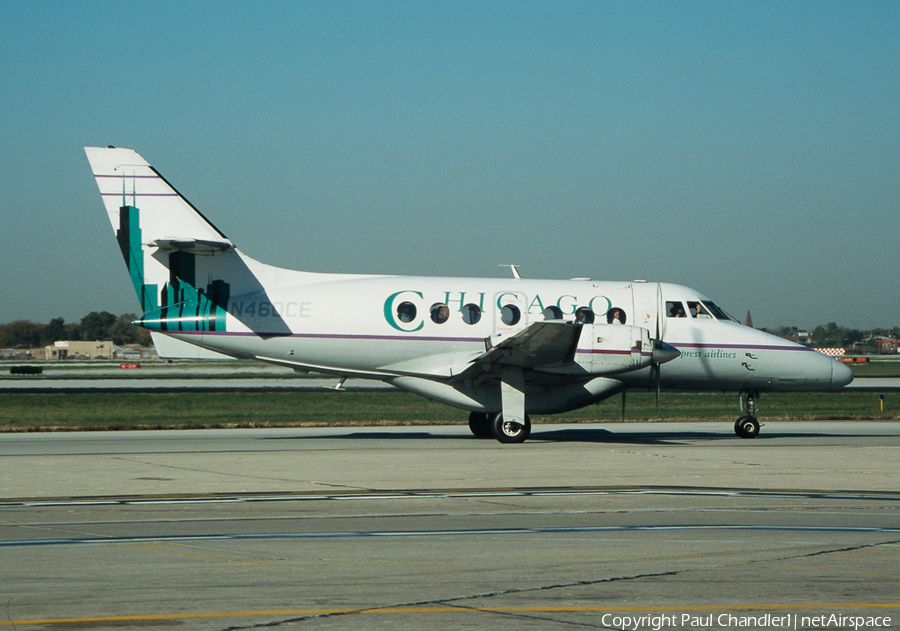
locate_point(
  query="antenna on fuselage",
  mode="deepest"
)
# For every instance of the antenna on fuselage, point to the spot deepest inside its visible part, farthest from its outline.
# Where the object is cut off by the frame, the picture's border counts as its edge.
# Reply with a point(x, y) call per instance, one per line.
point(514, 268)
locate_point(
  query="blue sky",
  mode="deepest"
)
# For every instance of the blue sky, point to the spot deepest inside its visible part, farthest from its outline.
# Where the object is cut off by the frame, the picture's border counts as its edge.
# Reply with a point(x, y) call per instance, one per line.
point(747, 150)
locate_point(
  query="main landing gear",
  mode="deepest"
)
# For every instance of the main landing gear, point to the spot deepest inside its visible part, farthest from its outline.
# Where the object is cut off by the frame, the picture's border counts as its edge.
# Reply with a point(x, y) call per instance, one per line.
point(494, 426)
point(747, 426)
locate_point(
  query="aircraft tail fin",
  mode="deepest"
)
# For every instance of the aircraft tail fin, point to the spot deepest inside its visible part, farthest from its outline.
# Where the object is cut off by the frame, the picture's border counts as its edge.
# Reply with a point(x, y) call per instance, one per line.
point(182, 266)
point(125, 179)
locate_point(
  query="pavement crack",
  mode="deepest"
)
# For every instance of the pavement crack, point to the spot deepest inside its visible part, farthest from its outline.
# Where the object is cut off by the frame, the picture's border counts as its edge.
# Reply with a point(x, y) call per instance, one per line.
point(459, 601)
point(198, 470)
point(847, 549)
point(8, 616)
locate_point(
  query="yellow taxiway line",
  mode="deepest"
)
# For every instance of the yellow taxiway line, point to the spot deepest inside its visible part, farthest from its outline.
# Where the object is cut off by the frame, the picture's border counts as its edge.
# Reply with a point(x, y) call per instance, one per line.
point(443, 609)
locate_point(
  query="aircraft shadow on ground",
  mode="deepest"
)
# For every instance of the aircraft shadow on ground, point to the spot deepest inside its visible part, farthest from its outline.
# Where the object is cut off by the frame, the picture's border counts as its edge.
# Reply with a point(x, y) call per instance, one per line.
point(606, 436)
point(582, 435)
point(600, 435)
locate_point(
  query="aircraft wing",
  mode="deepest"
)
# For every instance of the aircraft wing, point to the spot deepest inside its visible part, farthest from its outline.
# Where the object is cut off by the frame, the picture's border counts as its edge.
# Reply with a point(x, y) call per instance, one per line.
point(546, 343)
point(542, 344)
point(550, 343)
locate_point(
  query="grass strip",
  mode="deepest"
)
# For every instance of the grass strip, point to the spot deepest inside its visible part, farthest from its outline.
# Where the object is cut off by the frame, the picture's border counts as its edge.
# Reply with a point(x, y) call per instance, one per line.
point(193, 410)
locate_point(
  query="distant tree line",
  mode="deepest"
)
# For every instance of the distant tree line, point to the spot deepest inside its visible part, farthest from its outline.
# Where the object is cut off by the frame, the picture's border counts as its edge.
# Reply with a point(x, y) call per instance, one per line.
point(103, 325)
point(833, 336)
point(100, 325)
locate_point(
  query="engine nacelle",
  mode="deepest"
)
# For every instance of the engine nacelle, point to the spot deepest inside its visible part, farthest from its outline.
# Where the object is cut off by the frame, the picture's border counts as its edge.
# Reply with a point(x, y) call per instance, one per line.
point(607, 349)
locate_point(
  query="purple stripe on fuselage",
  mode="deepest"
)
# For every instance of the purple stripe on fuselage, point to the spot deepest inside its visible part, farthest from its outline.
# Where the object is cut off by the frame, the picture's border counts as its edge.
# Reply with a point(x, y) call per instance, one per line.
point(412, 338)
point(393, 338)
point(595, 351)
point(749, 347)
point(335, 336)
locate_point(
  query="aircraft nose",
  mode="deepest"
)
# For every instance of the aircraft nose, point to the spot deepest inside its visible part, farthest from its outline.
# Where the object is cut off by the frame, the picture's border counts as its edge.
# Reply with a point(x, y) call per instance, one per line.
point(663, 352)
point(841, 375)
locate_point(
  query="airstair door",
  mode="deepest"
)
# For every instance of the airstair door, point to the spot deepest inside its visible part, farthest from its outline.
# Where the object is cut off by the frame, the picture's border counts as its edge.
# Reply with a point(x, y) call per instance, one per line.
point(648, 314)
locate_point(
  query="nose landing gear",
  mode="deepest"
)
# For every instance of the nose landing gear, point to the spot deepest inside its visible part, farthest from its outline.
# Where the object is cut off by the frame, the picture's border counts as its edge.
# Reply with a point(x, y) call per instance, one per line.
point(747, 426)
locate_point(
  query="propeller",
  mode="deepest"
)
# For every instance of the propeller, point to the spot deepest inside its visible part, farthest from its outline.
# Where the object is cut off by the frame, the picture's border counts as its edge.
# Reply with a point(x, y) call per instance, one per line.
point(657, 340)
point(662, 352)
point(654, 374)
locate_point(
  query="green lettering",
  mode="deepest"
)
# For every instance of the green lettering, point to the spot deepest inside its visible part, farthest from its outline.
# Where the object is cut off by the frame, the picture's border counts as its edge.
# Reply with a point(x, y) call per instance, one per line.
point(389, 311)
point(572, 305)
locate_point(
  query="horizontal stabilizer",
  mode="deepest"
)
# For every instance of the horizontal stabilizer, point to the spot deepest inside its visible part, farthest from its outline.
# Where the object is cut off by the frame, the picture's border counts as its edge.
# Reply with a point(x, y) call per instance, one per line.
point(199, 246)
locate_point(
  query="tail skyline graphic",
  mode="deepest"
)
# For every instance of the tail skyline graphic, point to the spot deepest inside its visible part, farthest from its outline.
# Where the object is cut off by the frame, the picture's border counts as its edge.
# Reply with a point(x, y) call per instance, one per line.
point(180, 305)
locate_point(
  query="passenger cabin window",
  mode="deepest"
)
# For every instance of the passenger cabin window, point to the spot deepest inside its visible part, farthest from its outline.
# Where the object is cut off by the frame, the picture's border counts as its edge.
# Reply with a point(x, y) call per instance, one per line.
point(584, 315)
point(553, 313)
point(698, 310)
point(615, 315)
point(406, 312)
point(471, 314)
point(675, 309)
point(510, 315)
point(439, 313)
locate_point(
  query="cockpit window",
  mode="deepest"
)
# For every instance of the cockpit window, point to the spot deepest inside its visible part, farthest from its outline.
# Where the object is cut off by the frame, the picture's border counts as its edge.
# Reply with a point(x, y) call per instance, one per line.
point(698, 310)
point(717, 312)
point(675, 310)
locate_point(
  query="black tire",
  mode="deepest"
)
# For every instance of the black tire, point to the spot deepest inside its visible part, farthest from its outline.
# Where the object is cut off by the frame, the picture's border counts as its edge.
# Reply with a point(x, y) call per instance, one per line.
point(746, 427)
point(510, 432)
point(480, 424)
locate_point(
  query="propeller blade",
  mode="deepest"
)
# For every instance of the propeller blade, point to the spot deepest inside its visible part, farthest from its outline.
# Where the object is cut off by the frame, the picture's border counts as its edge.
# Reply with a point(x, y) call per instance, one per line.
point(658, 379)
point(659, 309)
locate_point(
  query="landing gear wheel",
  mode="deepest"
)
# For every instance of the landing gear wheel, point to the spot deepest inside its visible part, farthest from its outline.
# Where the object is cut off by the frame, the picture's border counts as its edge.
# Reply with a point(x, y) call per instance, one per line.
point(746, 427)
point(480, 424)
point(509, 432)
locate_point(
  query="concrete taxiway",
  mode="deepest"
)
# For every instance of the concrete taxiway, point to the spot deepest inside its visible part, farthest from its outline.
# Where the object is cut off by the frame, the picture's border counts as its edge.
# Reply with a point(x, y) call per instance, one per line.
point(271, 384)
point(404, 528)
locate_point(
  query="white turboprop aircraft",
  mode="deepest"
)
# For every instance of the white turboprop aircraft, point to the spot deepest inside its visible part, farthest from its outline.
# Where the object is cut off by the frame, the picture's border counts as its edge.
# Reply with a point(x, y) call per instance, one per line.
point(499, 348)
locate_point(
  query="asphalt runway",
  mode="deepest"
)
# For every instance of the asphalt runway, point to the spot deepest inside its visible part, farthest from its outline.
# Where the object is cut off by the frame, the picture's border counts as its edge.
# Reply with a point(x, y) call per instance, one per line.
point(675, 526)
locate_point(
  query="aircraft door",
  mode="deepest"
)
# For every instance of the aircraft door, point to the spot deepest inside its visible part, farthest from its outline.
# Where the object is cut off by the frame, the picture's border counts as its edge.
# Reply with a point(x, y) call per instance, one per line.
point(510, 315)
point(647, 299)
